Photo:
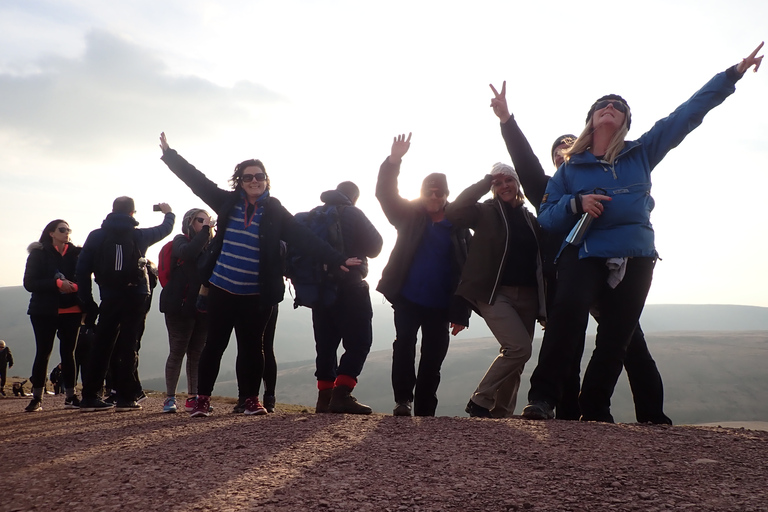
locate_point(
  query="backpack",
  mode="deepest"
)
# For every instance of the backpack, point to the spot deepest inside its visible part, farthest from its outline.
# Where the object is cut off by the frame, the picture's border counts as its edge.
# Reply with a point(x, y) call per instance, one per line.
point(119, 263)
point(312, 281)
point(166, 264)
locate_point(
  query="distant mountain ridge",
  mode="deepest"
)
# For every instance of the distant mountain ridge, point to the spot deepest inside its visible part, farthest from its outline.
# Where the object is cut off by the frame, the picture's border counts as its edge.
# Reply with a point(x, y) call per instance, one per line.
point(715, 353)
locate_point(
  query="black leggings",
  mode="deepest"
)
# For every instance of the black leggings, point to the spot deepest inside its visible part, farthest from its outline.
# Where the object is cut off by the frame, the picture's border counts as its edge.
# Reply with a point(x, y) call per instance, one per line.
point(244, 314)
point(46, 327)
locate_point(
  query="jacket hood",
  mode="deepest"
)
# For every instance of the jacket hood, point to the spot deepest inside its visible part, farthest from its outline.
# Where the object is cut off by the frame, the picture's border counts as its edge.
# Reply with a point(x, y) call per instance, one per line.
point(119, 222)
point(335, 198)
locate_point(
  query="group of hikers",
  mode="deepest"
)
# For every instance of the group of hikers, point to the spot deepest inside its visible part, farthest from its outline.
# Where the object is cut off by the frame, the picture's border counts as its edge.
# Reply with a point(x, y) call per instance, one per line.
point(588, 250)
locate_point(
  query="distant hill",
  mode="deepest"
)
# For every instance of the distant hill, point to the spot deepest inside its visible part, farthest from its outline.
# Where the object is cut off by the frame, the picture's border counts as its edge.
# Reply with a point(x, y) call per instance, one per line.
point(712, 358)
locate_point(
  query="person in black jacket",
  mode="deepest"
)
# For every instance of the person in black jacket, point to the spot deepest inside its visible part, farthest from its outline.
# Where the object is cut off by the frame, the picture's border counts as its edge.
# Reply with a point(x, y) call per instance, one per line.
point(420, 280)
point(187, 327)
point(246, 278)
point(348, 319)
point(123, 305)
point(642, 372)
point(6, 361)
point(53, 308)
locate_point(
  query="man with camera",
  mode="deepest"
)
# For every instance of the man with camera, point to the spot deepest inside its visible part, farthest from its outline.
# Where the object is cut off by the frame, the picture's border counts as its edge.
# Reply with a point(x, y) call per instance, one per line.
point(115, 255)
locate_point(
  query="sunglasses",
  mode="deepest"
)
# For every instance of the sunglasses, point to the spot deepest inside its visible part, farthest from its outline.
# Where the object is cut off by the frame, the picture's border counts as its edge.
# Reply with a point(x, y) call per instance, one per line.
point(616, 104)
point(64, 230)
point(259, 176)
point(199, 219)
point(437, 193)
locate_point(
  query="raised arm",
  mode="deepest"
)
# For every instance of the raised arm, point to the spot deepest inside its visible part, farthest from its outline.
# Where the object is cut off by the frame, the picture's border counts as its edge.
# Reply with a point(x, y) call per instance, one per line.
point(395, 207)
point(464, 212)
point(532, 176)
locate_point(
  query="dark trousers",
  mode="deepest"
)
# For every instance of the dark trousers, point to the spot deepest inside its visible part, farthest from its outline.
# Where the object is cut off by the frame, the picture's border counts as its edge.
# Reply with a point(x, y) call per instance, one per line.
point(46, 328)
point(244, 314)
point(85, 340)
point(582, 284)
point(270, 362)
point(433, 322)
point(3, 372)
point(346, 322)
point(120, 319)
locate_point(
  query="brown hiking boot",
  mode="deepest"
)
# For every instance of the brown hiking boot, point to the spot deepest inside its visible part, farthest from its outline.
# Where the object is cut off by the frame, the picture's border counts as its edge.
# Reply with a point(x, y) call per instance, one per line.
point(323, 401)
point(343, 402)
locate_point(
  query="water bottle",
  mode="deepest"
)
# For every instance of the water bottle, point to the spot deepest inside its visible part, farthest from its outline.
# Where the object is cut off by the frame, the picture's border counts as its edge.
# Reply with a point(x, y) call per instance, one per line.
point(580, 229)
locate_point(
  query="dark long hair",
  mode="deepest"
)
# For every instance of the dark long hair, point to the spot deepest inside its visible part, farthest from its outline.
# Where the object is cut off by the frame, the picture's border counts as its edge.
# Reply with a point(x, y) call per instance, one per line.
point(45, 238)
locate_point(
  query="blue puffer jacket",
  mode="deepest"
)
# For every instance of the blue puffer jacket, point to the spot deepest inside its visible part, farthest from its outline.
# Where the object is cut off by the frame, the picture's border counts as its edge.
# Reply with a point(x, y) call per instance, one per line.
point(624, 229)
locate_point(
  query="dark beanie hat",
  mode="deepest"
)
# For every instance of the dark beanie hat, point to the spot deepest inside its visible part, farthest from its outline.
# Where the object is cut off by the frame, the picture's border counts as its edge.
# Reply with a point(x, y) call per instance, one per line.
point(435, 180)
point(568, 138)
point(350, 190)
point(610, 97)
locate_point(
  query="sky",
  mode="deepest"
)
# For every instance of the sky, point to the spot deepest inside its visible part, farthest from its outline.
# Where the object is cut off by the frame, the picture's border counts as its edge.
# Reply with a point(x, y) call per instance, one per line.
point(317, 90)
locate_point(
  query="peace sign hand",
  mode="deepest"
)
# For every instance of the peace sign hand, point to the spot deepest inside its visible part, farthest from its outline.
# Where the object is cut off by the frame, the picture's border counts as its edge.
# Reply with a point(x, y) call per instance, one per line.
point(745, 64)
point(499, 103)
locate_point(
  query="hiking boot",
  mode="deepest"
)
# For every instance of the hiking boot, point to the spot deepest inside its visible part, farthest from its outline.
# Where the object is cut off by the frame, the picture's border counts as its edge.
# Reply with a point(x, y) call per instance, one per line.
point(269, 403)
point(477, 411)
point(254, 407)
point(94, 405)
point(343, 402)
point(323, 401)
point(72, 402)
point(403, 409)
point(35, 405)
point(239, 407)
point(538, 410)
point(170, 404)
point(190, 404)
point(126, 406)
point(202, 407)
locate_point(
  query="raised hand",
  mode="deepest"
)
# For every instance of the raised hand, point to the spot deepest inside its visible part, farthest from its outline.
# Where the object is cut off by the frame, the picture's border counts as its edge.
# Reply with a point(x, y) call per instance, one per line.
point(164, 143)
point(399, 148)
point(499, 103)
point(745, 64)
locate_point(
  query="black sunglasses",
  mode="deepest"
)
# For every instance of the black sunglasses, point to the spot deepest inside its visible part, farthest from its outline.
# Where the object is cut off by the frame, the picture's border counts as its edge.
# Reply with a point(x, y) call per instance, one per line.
point(437, 193)
point(259, 176)
point(616, 104)
point(64, 230)
point(199, 219)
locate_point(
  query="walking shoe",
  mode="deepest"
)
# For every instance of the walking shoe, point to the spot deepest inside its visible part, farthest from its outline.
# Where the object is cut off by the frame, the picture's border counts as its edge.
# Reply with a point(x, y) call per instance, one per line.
point(239, 407)
point(477, 411)
point(142, 396)
point(170, 404)
point(35, 405)
point(323, 405)
point(403, 409)
point(125, 406)
point(538, 410)
point(202, 407)
point(190, 404)
point(111, 399)
point(269, 403)
point(72, 403)
point(343, 402)
point(253, 406)
point(94, 405)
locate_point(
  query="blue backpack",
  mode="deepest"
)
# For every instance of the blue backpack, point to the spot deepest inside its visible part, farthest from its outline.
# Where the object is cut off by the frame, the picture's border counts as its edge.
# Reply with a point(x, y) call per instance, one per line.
point(314, 284)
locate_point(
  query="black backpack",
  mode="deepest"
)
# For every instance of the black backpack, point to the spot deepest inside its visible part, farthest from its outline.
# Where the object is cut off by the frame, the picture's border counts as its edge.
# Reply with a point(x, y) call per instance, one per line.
point(313, 282)
point(119, 262)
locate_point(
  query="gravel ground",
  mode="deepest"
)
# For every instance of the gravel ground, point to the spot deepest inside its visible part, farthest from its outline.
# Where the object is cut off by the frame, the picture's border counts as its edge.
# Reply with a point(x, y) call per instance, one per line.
point(60, 459)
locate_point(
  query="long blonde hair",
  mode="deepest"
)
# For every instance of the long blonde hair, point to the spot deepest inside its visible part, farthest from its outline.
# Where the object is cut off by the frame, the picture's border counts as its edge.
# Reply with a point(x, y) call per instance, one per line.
point(584, 141)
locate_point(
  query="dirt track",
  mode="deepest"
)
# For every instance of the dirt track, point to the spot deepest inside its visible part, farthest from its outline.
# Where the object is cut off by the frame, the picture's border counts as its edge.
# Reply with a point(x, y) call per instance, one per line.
point(66, 460)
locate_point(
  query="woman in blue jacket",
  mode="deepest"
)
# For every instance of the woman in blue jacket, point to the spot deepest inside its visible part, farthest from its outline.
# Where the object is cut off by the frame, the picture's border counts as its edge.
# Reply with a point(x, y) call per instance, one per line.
point(608, 179)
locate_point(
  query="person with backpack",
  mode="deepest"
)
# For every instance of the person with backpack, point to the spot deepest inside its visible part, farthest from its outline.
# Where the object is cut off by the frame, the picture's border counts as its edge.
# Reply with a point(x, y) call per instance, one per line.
point(244, 267)
point(341, 309)
point(53, 308)
point(419, 281)
point(116, 255)
point(187, 327)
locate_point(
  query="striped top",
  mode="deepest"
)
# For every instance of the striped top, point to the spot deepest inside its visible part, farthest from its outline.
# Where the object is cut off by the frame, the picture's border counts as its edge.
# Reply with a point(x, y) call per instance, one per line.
point(237, 269)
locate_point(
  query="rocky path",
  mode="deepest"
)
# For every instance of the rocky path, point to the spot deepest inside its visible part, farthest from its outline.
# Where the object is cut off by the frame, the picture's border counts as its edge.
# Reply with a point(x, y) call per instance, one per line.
point(145, 461)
